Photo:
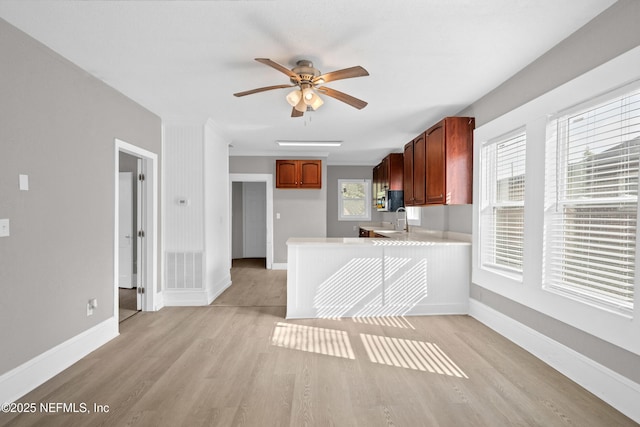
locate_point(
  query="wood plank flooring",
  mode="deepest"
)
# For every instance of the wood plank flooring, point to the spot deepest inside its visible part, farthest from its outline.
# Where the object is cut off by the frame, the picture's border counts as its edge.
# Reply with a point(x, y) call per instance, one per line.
point(127, 303)
point(238, 362)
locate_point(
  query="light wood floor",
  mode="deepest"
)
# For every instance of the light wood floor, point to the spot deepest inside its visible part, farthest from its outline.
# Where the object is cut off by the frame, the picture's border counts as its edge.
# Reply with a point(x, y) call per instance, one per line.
point(127, 303)
point(245, 365)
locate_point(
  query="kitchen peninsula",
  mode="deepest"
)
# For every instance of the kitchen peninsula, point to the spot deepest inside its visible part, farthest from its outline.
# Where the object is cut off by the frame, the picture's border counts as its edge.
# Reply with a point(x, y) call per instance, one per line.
point(400, 274)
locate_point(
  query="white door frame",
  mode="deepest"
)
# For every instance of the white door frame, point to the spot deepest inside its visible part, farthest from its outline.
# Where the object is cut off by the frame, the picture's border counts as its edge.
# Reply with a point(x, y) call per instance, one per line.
point(148, 263)
point(255, 177)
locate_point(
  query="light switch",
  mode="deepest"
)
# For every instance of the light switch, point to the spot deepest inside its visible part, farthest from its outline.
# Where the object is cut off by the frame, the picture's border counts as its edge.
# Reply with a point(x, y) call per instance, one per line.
point(4, 227)
point(24, 182)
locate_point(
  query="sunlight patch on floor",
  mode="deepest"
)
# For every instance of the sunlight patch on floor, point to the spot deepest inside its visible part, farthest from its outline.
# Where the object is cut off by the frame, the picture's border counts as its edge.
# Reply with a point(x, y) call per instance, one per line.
point(393, 321)
point(410, 354)
point(330, 342)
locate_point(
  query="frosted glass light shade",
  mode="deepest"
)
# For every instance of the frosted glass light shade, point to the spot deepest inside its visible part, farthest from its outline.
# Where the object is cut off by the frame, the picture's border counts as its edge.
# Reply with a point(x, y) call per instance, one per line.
point(315, 102)
point(294, 97)
point(301, 106)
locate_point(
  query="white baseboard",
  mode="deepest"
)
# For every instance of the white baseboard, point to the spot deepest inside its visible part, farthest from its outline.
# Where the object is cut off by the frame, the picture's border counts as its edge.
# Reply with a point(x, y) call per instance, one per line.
point(31, 374)
point(279, 266)
point(195, 297)
point(185, 297)
point(218, 289)
point(618, 391)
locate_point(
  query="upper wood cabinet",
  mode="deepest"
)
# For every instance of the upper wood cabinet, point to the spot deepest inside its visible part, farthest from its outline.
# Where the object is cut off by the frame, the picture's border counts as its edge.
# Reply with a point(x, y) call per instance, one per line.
point(299, 174)
point(388, 174)
point(393, 169)
point(438, 164)
point(449, 161)
point(414, 172)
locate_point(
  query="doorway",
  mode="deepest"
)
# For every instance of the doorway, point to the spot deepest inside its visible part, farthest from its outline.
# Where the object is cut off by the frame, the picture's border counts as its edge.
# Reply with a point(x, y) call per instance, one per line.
point(135, 231)
point(130, 302)
point(251, 216)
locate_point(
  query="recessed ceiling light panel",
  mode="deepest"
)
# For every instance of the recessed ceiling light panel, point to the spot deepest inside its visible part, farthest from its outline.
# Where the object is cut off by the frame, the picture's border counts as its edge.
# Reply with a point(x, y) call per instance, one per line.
point(291, 143)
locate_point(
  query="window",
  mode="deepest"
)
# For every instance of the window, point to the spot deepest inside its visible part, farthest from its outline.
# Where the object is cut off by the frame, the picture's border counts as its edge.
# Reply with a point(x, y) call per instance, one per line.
point(591, 201)
point(502, 202)
point(354, 199)
point(413, 215)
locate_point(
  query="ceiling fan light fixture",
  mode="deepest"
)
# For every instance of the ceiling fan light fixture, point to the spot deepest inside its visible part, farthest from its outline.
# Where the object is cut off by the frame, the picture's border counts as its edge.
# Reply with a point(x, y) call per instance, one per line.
point(301, 106)
point(308, 94)
point(315, 102)
point(307, 78)
point(294, 97)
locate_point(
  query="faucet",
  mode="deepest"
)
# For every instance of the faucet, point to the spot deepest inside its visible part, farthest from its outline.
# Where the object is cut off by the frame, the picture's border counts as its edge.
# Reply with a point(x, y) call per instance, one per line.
point(398, 219)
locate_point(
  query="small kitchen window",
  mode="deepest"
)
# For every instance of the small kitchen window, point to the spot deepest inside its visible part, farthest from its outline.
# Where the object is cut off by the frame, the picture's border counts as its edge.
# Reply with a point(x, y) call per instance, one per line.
point(413, 215)
point(354, 199)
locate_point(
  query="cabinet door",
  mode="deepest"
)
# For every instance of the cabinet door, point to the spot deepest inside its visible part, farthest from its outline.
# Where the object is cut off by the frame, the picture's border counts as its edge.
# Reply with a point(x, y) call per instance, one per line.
point(384, 173)
point(419, 170)
point(286, 174)
point(376, 184)
point(396, 171)
point(408, 174)
point(436, 166)
point(310, 173)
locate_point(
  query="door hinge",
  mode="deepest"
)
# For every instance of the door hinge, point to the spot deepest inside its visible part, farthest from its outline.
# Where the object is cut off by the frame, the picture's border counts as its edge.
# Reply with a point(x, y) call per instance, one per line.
point(141, 233)
point(141, 177)
point(141, 290)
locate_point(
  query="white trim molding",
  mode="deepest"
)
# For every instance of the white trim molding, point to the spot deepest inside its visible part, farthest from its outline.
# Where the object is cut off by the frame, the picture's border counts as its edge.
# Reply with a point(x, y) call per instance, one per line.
point(268, 180)
point(279, 266)
point(613, 388)
point(21, 380)
point(150, 221)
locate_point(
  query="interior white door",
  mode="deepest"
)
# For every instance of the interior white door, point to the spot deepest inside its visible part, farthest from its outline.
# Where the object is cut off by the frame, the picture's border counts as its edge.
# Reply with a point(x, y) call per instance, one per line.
point(125, 230)
point(254, 219)
point(140, 209)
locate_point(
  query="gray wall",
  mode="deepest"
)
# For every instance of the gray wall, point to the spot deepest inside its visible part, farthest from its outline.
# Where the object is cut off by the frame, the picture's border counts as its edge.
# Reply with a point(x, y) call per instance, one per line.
point(60, 252)
point(613, 32)
point(303, 213)
point(337, 228)
point(237, 228)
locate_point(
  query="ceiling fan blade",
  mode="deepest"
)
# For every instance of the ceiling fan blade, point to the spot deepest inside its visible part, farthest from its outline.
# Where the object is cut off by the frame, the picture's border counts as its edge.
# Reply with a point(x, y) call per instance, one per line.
point(347, 73)
point(261, 89)
point(340, 96)
point(296, 113)
point(281, 68)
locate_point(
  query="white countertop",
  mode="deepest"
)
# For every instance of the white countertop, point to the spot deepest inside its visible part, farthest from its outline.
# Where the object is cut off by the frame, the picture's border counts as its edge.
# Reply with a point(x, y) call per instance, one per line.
point(416, 237)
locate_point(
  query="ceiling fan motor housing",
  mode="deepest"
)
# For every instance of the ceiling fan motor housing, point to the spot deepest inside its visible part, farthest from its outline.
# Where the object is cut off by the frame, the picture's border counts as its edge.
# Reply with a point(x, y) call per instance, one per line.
point(305, 70)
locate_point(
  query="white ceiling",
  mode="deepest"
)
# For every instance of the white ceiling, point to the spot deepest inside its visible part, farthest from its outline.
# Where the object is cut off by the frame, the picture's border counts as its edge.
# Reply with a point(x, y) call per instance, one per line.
point(183, 60)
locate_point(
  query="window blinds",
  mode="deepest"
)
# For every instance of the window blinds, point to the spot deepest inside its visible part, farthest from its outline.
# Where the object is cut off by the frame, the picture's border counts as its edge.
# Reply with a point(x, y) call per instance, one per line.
point(502, 194)
point(592, 201)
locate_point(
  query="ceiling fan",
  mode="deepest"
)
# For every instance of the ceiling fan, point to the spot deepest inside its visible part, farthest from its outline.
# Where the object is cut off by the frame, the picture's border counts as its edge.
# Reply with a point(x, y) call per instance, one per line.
point(308, 79)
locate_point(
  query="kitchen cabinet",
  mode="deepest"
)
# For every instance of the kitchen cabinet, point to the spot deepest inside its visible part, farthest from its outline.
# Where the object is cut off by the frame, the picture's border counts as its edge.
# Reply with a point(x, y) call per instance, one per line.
point(414, 177)
point(376, 183)
point(388, 174)
point(392, 172)
point(449, 161)
point(299, 174)
point(438, 164)
point(365, 233)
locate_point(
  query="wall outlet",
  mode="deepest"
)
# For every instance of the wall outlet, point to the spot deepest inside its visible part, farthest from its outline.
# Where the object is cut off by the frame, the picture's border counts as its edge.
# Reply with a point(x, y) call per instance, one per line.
point(91, 305)
point(4, 227)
